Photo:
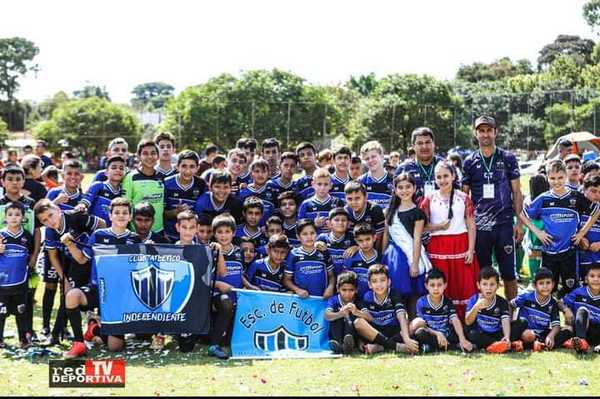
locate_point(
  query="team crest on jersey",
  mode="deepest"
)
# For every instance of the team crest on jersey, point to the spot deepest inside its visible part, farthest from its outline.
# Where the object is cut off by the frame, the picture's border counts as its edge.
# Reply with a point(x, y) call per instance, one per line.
point(152, 286)
point(508, 249)
point(570, 282)
point(573, 201)
point(280, 339)
point(497, 311)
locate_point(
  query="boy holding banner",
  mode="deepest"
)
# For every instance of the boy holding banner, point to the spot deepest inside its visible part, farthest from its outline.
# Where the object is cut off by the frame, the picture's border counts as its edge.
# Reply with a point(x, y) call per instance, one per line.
point(16, 247)
point(224, 299)
point(86, 296)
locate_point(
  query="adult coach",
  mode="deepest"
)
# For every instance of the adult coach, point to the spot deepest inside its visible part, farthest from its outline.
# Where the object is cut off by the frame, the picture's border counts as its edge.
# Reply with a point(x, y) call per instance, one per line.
point(492, 176)
point(423, 164)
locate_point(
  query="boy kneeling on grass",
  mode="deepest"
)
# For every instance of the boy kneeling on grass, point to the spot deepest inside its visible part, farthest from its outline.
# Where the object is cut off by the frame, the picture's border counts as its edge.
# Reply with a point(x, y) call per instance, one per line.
point(386, 327)
point(341, 312)
point(487, 318)
point(437, 326)
point(539, 310)
point(584, 303)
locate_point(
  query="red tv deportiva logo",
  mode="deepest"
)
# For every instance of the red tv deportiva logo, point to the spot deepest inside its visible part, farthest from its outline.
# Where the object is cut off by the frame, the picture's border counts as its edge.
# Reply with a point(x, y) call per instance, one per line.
point(87, 373)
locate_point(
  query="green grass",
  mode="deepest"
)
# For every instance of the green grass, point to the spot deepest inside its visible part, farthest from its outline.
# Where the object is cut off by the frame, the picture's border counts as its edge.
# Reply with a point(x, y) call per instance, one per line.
point(170, 373)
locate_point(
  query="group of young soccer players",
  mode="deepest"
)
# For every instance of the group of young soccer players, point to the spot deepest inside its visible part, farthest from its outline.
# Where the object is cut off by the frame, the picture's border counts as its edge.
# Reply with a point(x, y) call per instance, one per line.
point(391, 258)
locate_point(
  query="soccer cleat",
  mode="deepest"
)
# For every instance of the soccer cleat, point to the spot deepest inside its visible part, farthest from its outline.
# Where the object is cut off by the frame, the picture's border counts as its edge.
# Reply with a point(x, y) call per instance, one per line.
point(568, 344)
point(90, 332)
point(580, 345)
point(2, 344)
point(45, 332)
point(216, 351)
point(425, 348)
point(538, 346)
point(348, 344)
point(597, 349)
point(78, 349)
point(517, 346)
point(498, 347)
point(372, 348)
point(335, 346)
point(158, 342)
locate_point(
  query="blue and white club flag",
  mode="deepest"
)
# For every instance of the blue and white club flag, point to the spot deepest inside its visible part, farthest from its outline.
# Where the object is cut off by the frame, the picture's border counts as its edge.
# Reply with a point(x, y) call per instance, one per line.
point(153, 288)
point(277, 325)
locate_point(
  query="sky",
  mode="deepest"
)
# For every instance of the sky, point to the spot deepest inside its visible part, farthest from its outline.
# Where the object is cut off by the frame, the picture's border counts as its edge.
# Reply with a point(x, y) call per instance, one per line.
point(119, 44)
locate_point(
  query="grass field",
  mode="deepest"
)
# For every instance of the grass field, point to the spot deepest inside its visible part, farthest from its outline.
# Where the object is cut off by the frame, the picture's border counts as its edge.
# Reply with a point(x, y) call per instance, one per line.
point(172, 373)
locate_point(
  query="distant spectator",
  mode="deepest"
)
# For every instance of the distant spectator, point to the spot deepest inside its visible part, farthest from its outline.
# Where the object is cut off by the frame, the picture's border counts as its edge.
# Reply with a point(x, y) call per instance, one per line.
point(206, 162)
point(32, 165)
point(50, 177)
point(40, 151)
point(565, 147)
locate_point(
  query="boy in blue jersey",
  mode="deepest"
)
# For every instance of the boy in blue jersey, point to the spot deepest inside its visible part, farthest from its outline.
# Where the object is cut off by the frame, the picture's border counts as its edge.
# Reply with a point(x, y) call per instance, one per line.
point(259, 170)
point(560, 209)
point(288, 208)
point(270, 151)
point(341, 176)
point(117, 147)
point(165, 142)
point(68, 195)
point(309, 271)
point(367, 255)
point(187, 228)
point(362, 211)
point(266, 274)
point(224, 299)
point(573, 167)
point(590, 244)
point(307, 154)
point(339, 239)
point(99, 195)
point(318, 206)
point(437, 327)
point(85, 297)
point(143, 218)
point(341, 311)
point(584, 304)
point(252, 212)
point(487, 317)
point(16, 247)
point(540, 312)
point(284, 181)
point(66, 232)
point(182, 190)
point(248, 250)
point(204, 231)
point(219, 199)
point(236, 165)
point(273, 226)
point(378, 182)
point(385, 326)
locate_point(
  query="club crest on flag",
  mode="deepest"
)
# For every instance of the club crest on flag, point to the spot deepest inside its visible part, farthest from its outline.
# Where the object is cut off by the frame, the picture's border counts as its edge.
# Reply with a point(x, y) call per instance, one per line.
point(152, 286)
point(280, 339)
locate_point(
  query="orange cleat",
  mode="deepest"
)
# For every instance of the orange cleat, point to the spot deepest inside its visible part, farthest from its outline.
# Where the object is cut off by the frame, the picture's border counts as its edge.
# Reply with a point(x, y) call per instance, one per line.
point(90, 332)
point(580, 345)
point(538, 346)
point(568, 344)
point(499, 347)
point(517, 346)
point(77, 350)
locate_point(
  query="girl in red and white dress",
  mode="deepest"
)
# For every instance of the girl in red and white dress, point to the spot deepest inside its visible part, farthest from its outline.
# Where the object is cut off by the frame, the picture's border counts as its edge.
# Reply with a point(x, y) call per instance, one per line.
point(452, 245)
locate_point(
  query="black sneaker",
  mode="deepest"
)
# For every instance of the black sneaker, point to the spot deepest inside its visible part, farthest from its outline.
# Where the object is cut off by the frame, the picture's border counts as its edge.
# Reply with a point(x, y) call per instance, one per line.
point(335, 346)
point(425, 348)
point(348, 344)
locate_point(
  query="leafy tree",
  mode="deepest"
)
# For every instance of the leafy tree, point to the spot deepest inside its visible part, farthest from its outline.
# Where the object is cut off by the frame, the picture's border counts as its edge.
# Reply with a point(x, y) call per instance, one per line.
point(497, 70)
point(3, 131)
point(591, 13)
point(16, 60)
point(151, 95)
point(401, 103)
point(364, 84)
point(571, 45)
point(259, 103)
point(90, 90)
point(89, 124)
